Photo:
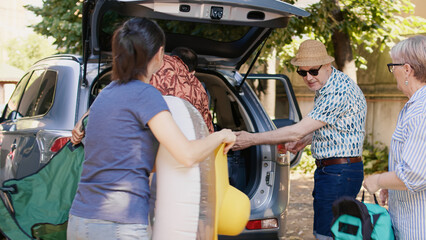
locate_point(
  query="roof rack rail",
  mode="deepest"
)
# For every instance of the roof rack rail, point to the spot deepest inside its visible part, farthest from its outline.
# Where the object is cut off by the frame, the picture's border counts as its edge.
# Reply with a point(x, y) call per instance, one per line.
point(63, 56)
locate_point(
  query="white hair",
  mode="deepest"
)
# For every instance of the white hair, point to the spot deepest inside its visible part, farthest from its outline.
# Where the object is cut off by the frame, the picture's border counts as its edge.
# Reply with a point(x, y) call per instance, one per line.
point(413, 52)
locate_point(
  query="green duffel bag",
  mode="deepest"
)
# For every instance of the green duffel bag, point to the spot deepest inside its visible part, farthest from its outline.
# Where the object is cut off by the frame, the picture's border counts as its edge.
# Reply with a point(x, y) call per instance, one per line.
point(37, 206)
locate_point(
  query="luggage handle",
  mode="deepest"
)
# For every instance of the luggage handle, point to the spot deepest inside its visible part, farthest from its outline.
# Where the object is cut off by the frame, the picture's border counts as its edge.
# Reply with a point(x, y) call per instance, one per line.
point(5, 198)
point(10, 189)
point(73, 147)
point(374, 195)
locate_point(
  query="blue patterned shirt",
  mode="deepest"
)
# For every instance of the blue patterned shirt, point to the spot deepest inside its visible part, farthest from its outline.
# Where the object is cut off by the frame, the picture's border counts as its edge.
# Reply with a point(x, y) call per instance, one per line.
point(407, 158)
point(341, 104)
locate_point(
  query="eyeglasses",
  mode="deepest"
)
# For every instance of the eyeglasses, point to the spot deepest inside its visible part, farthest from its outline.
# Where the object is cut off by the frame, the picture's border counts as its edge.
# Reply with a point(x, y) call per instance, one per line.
point(312, 72)
point(391, 65)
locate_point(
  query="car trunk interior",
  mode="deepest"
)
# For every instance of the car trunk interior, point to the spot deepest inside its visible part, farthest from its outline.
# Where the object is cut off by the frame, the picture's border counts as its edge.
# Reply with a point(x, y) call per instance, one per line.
point(226, 113)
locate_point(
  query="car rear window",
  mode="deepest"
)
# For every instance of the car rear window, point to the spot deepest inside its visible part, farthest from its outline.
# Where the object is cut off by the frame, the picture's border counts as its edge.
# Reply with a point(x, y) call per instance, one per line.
point(217, 32)
point(39, 93)
point(279, 107)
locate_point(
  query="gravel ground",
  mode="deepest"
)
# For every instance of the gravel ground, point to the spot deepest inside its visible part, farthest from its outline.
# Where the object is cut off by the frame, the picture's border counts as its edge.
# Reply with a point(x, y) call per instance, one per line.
point(300, 212)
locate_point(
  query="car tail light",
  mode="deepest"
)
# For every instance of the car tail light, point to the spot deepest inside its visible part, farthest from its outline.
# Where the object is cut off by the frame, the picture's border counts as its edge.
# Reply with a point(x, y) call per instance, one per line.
point(59, 143)
point(284, 157)
point(50, 142)
point(281, 148)
point(262, 224)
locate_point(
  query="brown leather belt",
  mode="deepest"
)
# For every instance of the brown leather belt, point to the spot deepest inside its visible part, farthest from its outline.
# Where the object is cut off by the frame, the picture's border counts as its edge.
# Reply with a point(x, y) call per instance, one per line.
point(333, 161)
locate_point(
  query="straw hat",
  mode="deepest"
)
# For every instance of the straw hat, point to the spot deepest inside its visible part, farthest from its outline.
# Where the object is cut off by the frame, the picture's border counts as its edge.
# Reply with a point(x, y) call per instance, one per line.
point(311, 53)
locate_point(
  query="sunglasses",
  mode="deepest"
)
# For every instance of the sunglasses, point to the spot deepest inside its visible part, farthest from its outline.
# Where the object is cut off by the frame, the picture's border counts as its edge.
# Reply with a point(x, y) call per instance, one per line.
point(312, 72)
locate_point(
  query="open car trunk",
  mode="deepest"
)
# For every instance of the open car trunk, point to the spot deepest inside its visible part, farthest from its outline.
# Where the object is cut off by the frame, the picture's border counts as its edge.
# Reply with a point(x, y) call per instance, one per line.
point(226, 113)
point(229, 110)
point(222, 33)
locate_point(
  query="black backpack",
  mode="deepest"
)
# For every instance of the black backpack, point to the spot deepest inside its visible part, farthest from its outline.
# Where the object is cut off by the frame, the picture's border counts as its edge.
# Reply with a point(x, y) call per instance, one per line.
point(358, 220)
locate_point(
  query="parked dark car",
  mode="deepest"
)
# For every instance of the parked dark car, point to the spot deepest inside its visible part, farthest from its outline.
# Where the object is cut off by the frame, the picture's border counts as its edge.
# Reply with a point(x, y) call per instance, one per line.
point(58, 90)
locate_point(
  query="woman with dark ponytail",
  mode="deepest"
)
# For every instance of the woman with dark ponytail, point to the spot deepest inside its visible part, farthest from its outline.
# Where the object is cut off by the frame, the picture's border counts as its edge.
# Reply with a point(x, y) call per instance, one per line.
point(125, 122)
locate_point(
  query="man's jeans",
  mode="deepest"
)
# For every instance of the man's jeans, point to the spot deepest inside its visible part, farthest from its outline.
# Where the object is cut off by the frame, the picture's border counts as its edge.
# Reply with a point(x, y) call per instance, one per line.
point(332, 182)
point(92, 229)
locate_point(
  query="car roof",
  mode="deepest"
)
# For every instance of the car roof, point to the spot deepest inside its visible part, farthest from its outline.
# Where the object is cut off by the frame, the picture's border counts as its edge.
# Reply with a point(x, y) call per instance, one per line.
point(222, 33)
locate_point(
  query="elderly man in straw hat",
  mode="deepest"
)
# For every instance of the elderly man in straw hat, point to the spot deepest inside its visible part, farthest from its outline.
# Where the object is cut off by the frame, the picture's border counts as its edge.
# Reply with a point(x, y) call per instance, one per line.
point(335, 128)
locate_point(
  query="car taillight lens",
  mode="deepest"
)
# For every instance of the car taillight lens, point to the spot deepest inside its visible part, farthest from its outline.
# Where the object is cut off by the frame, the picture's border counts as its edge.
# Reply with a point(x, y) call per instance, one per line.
point(262, 224)
point(280, 148)
point(284, 157)
point(59, 143)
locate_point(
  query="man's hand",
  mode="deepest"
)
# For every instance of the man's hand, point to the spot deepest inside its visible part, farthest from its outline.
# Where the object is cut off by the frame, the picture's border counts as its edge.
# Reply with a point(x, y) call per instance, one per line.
point(244, 140)
point(295, 147)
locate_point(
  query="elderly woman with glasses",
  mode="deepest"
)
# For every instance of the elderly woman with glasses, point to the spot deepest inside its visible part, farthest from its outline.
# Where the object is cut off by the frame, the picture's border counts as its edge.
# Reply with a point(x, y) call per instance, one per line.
point(335, 128)
point(404, 185)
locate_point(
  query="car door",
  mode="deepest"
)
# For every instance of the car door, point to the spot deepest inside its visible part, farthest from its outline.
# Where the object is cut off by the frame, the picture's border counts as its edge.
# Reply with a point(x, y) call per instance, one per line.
point(8, 126)
point(32, 99)
point(285, 110)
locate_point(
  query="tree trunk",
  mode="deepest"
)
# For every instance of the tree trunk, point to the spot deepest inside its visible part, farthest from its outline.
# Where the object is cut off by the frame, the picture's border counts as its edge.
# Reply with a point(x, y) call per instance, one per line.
point(342, 46)
point(270, 92)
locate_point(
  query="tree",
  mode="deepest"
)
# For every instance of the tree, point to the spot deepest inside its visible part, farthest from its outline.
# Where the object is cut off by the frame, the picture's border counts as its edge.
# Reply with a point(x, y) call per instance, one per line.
point(61, 20)
point(345, 26)
point(24, 52)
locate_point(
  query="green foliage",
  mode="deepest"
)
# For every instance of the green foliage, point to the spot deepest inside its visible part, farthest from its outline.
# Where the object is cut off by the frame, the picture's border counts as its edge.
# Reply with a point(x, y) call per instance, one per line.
point(65, 26)
point(375, 157)
point(307, 162)
point(370, 25)
point(61, 19)
point(23, 53)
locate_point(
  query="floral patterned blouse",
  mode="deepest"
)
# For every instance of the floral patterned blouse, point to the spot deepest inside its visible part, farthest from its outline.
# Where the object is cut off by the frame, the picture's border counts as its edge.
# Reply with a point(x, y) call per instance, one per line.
point(174, 79)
